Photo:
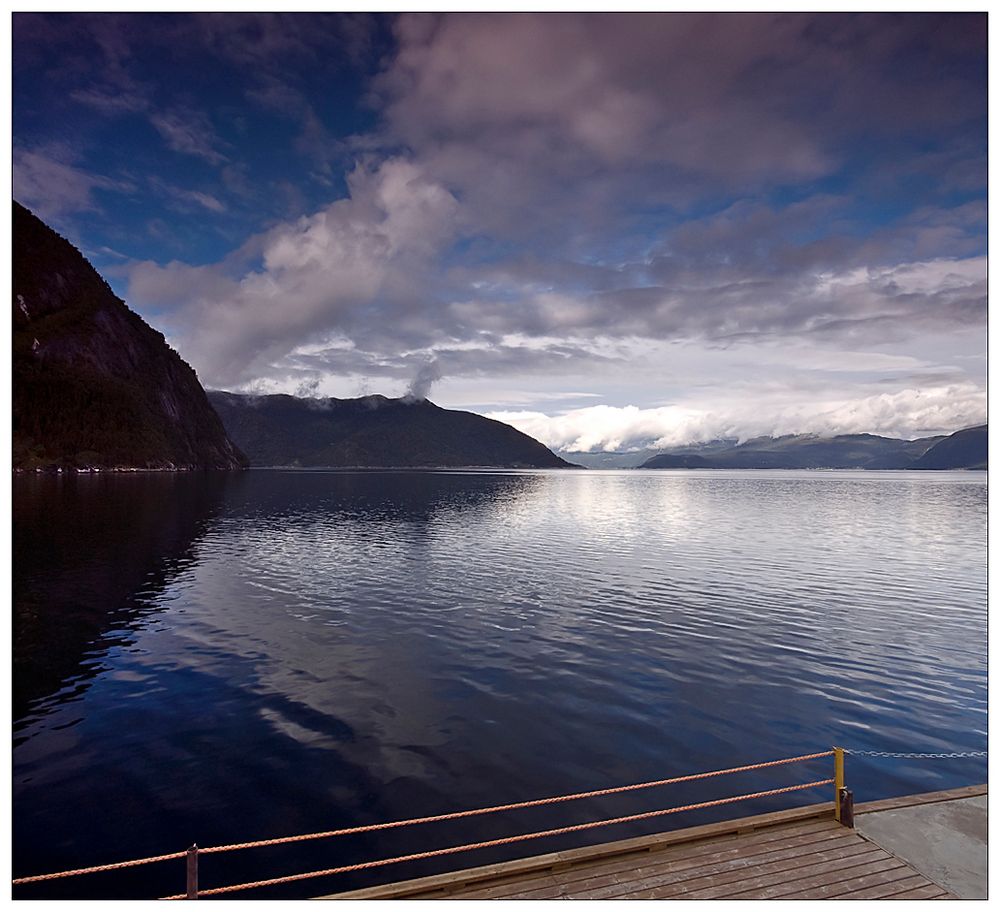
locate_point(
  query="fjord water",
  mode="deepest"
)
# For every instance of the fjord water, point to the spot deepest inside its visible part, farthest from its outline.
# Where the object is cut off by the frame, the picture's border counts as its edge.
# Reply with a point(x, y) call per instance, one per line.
point(224, 657)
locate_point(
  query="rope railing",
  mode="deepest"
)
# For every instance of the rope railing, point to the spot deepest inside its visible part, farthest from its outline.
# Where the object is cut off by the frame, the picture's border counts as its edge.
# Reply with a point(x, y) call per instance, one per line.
point(455, 815)
point(114, 866)
point(194, 852)
point(506, 840)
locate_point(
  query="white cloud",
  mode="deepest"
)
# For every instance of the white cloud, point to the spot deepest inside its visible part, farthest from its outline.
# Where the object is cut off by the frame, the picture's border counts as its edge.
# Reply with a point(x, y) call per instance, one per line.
point(53, 186)
point(907, 413)
point(357, 262)
point(205, 200)
point(177, 196)
point(603, 215)
point(189, 132)
point(111, 101)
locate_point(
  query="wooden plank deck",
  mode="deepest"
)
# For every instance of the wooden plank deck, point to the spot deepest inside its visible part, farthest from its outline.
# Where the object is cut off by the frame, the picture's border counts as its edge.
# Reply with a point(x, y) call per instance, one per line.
point(798, 854)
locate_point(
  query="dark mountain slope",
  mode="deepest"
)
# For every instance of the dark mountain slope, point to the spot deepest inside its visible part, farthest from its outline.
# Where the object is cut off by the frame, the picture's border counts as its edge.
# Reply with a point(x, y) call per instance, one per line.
point(678, 461)
point(606, 460)
point(94, 385)
point(372, 431)
point(803, 451)
point(966, 449)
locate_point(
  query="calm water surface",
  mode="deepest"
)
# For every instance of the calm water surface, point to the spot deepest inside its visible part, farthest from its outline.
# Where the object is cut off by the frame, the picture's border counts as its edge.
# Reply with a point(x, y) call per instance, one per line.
point(222, 658)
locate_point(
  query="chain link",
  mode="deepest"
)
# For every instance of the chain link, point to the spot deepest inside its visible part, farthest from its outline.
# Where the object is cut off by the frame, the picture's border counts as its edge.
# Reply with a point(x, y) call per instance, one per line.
point(914, 756)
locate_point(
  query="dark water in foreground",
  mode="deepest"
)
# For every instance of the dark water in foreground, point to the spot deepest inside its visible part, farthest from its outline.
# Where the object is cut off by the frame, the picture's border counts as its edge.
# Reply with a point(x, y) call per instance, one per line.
point(232, 657)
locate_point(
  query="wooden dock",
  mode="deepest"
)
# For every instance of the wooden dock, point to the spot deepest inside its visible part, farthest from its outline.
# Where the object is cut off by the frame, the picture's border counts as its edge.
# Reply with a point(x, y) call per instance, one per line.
point(801, 853)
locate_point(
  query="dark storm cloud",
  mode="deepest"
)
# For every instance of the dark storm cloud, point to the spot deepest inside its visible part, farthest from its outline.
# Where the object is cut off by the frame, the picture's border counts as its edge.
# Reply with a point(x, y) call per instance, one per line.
point(668, 107)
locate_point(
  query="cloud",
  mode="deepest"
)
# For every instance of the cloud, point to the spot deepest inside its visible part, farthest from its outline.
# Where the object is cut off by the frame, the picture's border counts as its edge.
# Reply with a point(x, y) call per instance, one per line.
point(369, 268)
point(337, 364)
point(190, 133)
point(419, 259)
point(276, 42)
point(53, 187)
point(179, 197)
point(651, 207)
point(355, 265)
point(619, 88)
point(205, 200)
point(727, 304)
point(582, 120)
point(907, 413)
point(420, 385)
point(314, 140)
point(111, 101)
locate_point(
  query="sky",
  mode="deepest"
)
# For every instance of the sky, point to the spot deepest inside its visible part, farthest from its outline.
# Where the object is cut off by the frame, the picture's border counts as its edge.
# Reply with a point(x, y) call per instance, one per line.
point(612, 231)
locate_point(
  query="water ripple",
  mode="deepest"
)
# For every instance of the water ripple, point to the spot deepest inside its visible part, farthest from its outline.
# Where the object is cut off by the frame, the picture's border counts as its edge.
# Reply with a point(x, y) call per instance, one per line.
point(458, 639)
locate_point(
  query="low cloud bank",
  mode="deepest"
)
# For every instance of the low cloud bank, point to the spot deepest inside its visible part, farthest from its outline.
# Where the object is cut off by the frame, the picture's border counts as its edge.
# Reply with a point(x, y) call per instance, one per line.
point(908, 413)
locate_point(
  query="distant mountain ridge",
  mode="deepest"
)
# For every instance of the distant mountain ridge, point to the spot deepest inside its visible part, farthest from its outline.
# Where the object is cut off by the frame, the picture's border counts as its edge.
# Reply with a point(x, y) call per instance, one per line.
point(607, 460)
point(633, 459)
point(373, 431)
point(94, 386)
point(965, 449)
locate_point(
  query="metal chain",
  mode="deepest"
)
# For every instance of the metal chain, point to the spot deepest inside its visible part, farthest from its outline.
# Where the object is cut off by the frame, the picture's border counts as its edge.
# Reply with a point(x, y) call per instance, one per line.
point(914, 756)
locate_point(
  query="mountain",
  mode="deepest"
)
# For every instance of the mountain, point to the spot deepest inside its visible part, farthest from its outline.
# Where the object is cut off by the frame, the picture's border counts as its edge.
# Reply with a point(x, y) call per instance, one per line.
point(677, 461)
point(606, 460)
point(802, 451)
point(94, 385)
point(372, 431)
point(687, 455)
point(966, 449)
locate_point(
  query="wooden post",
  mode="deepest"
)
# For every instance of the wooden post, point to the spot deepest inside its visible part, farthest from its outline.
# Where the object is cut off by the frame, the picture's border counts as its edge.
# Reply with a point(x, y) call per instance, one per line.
point(192, 872)
point(838, 781)
point(847, 808)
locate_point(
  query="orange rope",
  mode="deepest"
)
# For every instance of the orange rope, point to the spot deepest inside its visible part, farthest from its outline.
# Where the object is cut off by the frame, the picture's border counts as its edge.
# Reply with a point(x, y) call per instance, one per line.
point(506, 807)
point(415, 820)
point(495, 842)
point(106, 867)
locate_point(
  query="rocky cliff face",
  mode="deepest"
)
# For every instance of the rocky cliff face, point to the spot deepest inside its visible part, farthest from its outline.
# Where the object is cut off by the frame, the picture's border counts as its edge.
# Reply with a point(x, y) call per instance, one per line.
point(94, 386)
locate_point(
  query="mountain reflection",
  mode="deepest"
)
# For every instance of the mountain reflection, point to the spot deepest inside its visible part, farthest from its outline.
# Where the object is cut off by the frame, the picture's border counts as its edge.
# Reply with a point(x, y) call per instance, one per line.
point(416, 497)
point(94, 554)
point(91, 554)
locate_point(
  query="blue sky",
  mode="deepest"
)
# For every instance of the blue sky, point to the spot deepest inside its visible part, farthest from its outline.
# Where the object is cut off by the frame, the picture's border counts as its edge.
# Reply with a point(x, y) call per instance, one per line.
point(612, 231)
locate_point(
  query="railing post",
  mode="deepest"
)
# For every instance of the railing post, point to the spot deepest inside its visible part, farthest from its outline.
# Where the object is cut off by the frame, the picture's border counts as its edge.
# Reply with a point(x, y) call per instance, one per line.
point(838, 781)
point(192, 872)
point(847, 808)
